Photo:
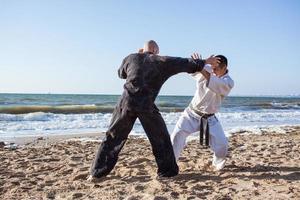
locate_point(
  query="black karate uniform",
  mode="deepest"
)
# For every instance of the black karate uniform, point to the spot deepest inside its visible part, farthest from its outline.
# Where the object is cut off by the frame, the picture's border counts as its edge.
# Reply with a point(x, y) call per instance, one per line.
point(145, 73)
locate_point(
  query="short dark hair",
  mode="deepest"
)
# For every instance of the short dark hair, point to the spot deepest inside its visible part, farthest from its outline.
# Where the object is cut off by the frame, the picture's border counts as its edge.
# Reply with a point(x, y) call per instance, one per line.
point(223, 60)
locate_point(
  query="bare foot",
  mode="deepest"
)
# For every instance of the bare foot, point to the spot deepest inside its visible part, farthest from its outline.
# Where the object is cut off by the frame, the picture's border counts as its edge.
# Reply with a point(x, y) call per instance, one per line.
point(94, 179)
point(219, 166)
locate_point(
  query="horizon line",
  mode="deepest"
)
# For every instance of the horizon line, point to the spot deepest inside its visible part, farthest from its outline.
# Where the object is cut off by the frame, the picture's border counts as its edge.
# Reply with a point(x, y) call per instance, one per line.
point(233, 95)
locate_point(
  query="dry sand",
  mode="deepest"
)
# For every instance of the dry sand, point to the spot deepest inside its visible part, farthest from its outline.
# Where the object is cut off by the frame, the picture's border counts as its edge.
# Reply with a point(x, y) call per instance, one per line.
point(263, 166)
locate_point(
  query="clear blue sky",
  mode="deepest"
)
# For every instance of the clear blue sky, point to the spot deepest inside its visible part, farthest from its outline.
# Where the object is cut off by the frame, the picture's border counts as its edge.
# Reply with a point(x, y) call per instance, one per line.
point(74, 46)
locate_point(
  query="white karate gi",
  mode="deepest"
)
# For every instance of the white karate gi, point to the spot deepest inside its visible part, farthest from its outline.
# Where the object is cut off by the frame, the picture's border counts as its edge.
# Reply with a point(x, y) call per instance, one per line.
point(207, 99)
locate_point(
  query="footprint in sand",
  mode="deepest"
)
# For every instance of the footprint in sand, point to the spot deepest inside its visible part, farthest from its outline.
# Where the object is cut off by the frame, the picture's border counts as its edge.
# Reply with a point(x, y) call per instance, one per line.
point(81, 176)
point(15, 181)
point(76, 158)
point(77, 195)
point(83, 169)
point(184, 187)
point(66, 172)
point(134, 198)
point(25, 187)
point(49, 182)
point(74, 164)
point(160, 198)
point(174, 195)
point(142, 173)
point(18, 175)
point(139, 161)
point(191, 197)
point(139, 187)
point(50, 195)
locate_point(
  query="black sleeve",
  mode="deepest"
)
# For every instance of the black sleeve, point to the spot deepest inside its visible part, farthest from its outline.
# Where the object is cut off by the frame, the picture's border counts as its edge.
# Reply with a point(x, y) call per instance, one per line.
point(174, 65)
point(122, 70)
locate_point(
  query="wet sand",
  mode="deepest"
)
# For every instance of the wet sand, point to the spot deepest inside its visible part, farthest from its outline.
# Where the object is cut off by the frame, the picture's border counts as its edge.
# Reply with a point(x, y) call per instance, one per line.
point(265, 166)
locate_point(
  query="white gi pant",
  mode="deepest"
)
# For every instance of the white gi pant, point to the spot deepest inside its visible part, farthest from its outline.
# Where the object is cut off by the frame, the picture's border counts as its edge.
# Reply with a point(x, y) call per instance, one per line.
point(189, 123)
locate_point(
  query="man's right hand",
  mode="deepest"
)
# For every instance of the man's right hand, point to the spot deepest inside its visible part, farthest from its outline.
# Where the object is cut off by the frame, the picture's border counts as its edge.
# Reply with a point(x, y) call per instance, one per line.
point(212, 60)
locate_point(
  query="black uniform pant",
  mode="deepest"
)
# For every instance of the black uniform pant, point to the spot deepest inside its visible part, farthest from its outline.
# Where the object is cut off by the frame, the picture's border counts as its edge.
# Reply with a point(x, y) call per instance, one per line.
point(116, 136)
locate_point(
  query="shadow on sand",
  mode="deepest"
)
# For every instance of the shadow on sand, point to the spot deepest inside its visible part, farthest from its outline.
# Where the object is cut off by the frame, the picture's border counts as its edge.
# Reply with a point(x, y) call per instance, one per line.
point(258, 172)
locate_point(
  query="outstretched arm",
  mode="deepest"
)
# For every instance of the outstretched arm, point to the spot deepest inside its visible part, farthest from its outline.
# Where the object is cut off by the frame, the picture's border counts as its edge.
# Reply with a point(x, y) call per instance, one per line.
point(173, 65)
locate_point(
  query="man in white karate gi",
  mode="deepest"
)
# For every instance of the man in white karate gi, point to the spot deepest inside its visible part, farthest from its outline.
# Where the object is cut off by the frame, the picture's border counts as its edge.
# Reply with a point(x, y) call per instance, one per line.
point(213, 84)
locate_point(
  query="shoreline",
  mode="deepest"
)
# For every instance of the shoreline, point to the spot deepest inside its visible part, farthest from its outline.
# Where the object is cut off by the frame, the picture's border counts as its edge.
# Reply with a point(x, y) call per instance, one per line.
point(50, 138)
point(40, 139)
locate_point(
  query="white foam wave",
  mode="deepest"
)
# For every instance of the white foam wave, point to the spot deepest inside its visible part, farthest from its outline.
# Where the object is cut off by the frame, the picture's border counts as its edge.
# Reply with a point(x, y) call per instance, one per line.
point(261, 118)
point(293, 105)
point(37, 116)
point(47, 123)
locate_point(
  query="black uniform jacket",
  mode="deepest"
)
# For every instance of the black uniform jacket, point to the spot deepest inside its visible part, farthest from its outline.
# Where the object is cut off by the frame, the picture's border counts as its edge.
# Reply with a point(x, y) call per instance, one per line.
point(145, 73)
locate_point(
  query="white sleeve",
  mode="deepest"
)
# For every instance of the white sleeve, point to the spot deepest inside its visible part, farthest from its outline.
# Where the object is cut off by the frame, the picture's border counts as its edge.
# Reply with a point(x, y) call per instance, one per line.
point(220, 86)
point(198, 75)
point(207, 67)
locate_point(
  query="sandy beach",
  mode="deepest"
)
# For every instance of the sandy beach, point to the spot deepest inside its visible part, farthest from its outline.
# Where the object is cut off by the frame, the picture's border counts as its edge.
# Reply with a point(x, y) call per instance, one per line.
point(262, 166)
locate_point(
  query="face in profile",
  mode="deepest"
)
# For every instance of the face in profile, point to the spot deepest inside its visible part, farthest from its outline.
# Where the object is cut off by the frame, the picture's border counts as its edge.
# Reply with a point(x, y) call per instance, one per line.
point(219, 69)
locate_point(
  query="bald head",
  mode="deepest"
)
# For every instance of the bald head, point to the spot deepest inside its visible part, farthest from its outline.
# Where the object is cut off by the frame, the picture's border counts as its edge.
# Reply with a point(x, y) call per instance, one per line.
point(151, 46)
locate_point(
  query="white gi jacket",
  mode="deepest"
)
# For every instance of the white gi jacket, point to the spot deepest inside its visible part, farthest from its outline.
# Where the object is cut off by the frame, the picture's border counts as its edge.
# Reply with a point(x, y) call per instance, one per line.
point(210, 93)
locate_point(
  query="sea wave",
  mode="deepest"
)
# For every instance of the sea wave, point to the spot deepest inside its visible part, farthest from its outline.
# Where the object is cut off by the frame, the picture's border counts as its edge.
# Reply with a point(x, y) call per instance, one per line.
point(71, 109)
point(292, 105)
point(60, 109)
point(168, 104)
point(273, 105)
point(37, 116)
point(53, 123)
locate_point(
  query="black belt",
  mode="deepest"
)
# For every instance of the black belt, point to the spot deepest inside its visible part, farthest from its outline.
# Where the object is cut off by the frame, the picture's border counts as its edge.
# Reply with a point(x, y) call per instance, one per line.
point(204, 127)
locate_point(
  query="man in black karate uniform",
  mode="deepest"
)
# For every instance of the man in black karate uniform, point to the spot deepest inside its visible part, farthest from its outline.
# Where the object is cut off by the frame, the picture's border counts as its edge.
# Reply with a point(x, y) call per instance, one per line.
point(145, 74)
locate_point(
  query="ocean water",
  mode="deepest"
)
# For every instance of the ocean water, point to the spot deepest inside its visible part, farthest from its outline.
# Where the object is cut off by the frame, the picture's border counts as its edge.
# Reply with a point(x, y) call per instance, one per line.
point(43, 114)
